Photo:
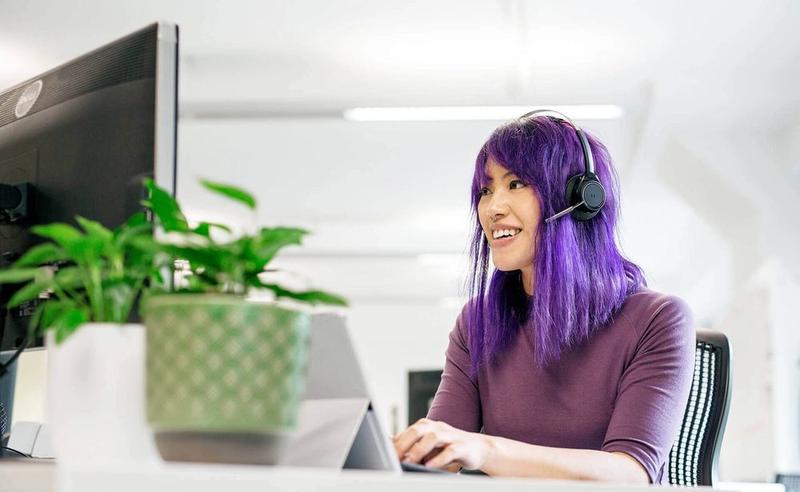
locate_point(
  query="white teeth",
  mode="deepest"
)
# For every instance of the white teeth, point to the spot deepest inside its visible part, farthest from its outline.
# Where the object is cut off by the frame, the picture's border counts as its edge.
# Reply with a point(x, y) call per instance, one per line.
point(505, 232)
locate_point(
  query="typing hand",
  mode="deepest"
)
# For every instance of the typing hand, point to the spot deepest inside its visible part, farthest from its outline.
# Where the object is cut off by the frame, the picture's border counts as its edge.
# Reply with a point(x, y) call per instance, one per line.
point(438, 445)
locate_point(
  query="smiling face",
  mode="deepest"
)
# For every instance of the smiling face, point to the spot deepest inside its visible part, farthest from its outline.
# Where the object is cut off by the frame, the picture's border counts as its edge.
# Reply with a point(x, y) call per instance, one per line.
point(509, 214)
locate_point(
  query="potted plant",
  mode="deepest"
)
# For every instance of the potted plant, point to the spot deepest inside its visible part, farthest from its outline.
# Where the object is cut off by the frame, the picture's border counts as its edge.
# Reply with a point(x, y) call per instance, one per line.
point(82, 284)
point(225, 375)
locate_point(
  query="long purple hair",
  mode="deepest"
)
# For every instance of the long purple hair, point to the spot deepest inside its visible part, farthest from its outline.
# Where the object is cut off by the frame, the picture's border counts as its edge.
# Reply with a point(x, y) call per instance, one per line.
point(580, 276)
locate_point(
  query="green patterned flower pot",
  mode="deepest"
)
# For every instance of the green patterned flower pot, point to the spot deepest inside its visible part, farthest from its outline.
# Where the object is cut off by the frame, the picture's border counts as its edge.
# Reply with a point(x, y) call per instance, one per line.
point(225, 376)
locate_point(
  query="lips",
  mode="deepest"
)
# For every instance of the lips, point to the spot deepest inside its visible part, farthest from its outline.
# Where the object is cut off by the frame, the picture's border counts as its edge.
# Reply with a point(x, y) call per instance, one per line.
point(503, 241)
point(501, 234)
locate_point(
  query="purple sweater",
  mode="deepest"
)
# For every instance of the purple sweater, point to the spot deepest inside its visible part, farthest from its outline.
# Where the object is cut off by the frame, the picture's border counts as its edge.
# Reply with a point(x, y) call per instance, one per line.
point(625, 389)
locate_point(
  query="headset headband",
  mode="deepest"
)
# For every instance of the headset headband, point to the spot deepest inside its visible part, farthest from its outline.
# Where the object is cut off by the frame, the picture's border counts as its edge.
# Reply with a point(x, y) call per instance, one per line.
point(585, 194)
point(588, 160)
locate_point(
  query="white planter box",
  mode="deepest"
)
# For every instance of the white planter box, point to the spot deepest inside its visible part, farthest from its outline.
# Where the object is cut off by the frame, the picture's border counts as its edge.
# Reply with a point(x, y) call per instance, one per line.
point(95, 396)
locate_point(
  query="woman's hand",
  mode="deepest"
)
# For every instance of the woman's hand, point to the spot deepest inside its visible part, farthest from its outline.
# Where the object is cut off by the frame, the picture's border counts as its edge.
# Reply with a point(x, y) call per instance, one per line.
point(437, 445)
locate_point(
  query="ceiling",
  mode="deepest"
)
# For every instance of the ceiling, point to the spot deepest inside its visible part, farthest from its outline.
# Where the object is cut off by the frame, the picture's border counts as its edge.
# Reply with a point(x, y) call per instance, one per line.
point(732, 60)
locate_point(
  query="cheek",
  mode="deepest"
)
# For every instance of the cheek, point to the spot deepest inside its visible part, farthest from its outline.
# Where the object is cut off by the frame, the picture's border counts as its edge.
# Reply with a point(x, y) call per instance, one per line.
point(531, 211)
point(482, 220)
point(485, 230)
point(530, 238)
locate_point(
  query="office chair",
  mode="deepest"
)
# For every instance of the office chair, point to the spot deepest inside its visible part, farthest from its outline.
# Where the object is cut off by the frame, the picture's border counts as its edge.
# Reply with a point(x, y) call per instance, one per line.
point(790, 481)
point(694, 457)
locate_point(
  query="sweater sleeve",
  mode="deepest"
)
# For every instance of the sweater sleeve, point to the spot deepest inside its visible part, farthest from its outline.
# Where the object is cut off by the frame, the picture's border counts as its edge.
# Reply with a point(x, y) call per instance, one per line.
point(654, 388)
point(457, 401)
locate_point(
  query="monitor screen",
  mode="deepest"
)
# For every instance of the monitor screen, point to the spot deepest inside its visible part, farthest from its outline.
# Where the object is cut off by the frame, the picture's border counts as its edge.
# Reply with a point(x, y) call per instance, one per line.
point(79, 139)
point(7, 382)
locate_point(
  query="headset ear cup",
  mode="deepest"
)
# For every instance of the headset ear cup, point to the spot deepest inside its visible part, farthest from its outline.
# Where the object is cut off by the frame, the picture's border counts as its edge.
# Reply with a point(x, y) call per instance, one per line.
point(573, 196)
point(586, 188)
point(593, 194)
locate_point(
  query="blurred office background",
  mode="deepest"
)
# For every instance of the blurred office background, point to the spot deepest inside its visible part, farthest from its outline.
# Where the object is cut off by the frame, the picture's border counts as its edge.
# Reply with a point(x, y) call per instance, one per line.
point(707, 145)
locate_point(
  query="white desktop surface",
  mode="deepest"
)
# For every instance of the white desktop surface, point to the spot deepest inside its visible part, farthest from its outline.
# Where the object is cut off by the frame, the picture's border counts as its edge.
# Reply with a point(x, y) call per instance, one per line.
point(22, 477)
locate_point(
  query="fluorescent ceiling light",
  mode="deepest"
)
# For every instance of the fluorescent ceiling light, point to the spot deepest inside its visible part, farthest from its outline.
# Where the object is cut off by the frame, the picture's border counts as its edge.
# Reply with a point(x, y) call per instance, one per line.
point(465, 113)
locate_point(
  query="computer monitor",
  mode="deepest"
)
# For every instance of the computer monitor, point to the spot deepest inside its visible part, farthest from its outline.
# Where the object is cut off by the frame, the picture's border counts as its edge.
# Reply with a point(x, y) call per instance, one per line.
point(79, 139)
point(422, 387)
point(7, 382)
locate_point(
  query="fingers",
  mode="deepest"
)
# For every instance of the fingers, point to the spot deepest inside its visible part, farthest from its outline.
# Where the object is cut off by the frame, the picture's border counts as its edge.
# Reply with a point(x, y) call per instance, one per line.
point(447, 456)
point(404, 440)
point(430, 455)
point(420, 439)
point(438, 445)
point(423, 447)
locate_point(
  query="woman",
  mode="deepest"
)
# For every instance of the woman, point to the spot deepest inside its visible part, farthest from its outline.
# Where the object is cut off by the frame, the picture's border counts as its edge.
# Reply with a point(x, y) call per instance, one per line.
point(570, 367)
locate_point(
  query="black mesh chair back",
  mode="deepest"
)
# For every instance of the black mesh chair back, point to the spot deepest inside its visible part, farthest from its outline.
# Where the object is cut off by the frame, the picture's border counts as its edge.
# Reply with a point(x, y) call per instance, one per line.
point(694, 457)
point(790, 481)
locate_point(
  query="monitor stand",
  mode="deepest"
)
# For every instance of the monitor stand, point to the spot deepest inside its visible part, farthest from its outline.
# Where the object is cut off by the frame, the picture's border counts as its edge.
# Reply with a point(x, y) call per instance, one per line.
point(339, 433)
point(337, 426)
point(371, 449)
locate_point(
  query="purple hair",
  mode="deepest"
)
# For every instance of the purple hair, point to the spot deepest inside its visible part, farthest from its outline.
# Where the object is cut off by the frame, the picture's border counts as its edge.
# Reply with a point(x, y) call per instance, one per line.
point(580, 276)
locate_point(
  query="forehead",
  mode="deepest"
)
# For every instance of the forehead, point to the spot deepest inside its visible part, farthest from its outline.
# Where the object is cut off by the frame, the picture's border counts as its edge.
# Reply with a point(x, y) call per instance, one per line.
point(494, 171)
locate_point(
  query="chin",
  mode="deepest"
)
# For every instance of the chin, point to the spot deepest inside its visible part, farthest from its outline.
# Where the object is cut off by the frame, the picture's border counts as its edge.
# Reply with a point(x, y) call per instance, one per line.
point(505, 267)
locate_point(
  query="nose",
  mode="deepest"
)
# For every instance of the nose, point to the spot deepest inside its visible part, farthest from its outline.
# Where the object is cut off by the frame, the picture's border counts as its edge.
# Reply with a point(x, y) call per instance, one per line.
point(498, 205)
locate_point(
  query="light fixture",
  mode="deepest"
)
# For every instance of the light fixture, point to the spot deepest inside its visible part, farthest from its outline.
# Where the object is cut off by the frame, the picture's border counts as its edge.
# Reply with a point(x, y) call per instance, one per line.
point(467, 113)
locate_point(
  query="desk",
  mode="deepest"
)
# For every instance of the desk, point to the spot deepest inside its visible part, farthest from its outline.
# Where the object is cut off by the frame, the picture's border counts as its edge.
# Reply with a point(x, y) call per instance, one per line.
point(25, 475)
point(46, 477)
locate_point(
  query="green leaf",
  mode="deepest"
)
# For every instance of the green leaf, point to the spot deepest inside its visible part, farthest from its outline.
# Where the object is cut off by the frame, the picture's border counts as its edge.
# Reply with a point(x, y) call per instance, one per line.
point(135, 220)
point(231, 192)
point(28, 292)
point(69, 278)
point(100, 242)
point(145, 243)
point(16, 275)
point(199, 257)
point(68, 322)
point(95, 229)
point(77, 245)
point(200, 283)
point(52, 310)
point(310, 296)
point(62, 234)
point(219, 226)
point(137, 225)
point(165, 208)
point(204, 228)
point(89, 249)
point(124, 235)
point(41, 253)
point(119, 293)
point(270, 240)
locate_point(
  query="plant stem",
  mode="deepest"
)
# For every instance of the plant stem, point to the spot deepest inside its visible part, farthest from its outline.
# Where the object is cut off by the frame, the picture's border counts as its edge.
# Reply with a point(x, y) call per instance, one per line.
point(127, 306)
point(95, 292)
point(65, 293)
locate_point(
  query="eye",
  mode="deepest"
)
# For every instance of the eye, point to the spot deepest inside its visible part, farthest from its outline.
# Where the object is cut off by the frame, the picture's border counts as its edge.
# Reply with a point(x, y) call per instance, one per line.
point(516, 184)
point(484, 191)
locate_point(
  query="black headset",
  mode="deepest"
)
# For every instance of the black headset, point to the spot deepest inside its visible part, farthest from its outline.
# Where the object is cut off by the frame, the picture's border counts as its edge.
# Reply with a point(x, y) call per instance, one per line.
point(585, 194)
